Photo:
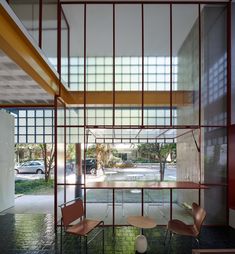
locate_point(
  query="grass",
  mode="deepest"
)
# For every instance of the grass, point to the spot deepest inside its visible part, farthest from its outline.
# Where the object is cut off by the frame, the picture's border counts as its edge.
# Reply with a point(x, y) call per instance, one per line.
point(35, 187)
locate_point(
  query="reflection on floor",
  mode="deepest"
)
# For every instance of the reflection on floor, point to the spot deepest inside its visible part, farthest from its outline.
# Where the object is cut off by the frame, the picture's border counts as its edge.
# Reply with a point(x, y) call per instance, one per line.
point(103, 211)
point(158, 211)
point(43, 204)
point(34, 234)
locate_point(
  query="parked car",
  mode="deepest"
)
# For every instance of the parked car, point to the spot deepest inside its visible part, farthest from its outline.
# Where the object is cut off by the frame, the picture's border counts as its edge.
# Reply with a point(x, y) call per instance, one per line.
point(36, 167)
point(90, 166)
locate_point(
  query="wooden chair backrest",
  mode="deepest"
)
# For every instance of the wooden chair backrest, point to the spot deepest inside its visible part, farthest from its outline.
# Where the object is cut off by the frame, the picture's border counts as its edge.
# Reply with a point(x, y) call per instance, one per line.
point(199, 215)
point(72, 212)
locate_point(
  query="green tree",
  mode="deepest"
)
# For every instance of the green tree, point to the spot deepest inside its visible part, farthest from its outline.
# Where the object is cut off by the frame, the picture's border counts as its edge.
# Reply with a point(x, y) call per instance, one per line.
point(104, 153)
point(91, 151)
point(70, 152)
point(158, 152)
point(48, 153)
point(21, 151)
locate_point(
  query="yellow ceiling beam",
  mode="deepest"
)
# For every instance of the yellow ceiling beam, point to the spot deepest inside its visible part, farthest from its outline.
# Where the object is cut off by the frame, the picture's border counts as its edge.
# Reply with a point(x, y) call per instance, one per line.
point(18, 47)
point(151, 98)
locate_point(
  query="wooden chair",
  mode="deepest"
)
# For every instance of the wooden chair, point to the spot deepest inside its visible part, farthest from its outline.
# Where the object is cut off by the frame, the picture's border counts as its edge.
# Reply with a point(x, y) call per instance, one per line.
point(74, 222)
point(180, 228)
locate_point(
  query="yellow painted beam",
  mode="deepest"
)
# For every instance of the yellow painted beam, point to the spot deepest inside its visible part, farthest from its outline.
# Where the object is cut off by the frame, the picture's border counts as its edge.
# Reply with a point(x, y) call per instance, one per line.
point(17, 46)
point(153, 98)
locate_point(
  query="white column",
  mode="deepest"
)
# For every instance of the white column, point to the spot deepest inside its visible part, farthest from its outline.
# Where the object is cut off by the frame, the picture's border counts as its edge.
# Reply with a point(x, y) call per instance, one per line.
point(7, 175)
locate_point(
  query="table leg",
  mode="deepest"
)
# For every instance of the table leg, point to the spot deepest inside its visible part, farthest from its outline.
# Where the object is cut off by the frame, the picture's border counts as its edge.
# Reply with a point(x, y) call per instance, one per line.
point(142, 202)
point(170, 204)
point(141, 243)
point(108, 204)
point(113, 211)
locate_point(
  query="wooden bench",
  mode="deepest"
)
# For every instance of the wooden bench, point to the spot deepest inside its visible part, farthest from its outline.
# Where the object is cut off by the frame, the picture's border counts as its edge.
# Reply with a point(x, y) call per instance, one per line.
point(74, 222)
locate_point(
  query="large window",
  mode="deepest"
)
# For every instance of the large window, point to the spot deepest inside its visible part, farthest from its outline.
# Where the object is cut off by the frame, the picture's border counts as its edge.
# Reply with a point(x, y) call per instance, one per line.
point(34, 125)
point(128, 74)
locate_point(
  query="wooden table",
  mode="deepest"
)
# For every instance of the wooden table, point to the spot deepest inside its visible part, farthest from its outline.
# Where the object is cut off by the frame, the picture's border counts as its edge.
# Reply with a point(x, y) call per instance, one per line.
point(141, 222)
point(118, 185)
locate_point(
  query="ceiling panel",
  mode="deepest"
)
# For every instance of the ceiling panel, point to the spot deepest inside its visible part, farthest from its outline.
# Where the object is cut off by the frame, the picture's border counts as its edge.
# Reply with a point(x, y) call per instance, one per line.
point(17, 87)
point(152, 135)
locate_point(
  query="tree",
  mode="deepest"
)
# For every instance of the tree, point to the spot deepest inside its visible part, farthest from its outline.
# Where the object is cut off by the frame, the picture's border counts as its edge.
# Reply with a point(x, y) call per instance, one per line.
point(104, 153)
point(159, 152)
point(91, 151)
point(48, 153)
point(70, 152)
point(19, 151)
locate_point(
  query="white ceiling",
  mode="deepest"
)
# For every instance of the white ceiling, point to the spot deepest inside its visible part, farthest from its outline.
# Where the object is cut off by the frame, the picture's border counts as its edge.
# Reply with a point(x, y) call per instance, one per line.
point(128, 28)
point(17, 87)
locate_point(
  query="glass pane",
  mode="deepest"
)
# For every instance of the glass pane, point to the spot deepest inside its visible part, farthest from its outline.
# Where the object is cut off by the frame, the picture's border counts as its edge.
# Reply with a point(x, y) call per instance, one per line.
point(128, 116)
point(28, 13)
point(216, 211)
point(103, 200)
point(215, 155)
point(157, 205)
point(99, 47)
point(188, 169)
point(132, 201)
point(185, 41)
point(128, 47)
point(214, 66)
point(157, 47)
point(60, 156)
point(99, 116)
point(64, 50)
point(182, 201)
point(49, 30)
point(156, 116)
point(76, 45)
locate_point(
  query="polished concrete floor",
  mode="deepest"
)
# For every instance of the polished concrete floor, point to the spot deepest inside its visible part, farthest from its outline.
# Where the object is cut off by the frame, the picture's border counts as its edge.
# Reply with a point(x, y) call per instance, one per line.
point(34, 234)
point(43, 204)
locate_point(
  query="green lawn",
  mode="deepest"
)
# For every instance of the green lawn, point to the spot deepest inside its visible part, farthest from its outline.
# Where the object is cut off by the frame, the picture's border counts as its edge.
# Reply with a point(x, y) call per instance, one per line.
point(35, 187)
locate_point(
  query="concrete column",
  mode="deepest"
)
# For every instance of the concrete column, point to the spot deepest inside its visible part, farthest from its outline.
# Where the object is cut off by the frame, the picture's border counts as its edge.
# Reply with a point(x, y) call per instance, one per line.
point(78, 170)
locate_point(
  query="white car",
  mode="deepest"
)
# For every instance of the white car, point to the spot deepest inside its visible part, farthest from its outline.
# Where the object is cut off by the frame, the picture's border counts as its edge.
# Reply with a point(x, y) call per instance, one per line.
point(36, 167)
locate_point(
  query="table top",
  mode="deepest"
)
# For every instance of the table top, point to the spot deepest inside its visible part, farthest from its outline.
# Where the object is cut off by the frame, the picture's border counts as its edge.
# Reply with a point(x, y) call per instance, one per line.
point(144, 185)
point(141, 221)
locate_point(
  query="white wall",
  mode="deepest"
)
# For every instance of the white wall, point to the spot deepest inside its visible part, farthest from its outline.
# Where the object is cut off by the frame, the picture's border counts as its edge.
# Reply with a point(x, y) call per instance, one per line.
point(7, 176)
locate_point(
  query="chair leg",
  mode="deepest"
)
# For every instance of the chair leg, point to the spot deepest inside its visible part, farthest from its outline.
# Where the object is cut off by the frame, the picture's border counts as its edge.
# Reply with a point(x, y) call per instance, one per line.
point(61, 237)
point(103, 239)
point(169, 242)
point(60, 240)
point(80, 243)
point(86, 246)
point(171, 235)
point(197, 240)
point(166, 234)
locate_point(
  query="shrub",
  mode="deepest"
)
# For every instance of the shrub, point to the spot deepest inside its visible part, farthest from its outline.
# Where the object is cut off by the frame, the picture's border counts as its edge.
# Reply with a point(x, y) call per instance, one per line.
point(34, 186)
